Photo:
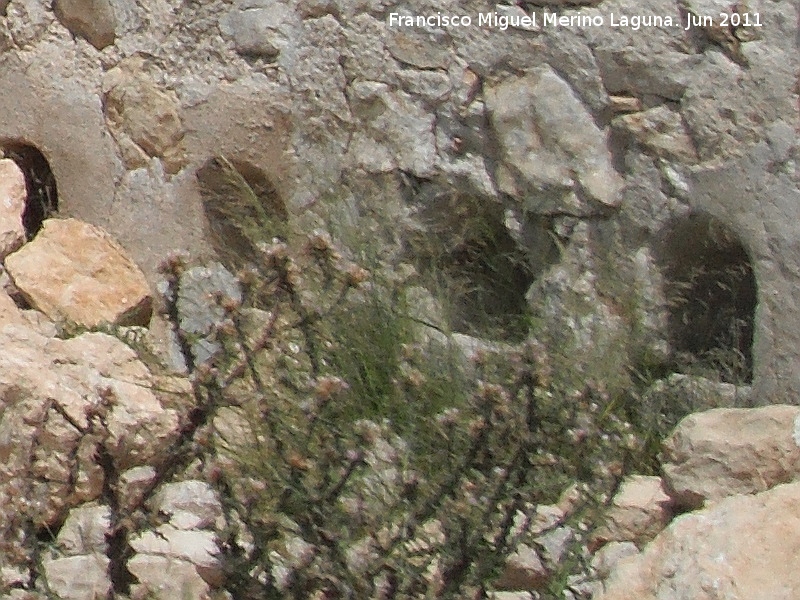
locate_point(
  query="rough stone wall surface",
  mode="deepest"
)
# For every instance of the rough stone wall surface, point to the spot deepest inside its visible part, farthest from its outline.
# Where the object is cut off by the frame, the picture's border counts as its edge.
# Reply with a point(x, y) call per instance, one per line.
point(595, 136)
point(584, 143)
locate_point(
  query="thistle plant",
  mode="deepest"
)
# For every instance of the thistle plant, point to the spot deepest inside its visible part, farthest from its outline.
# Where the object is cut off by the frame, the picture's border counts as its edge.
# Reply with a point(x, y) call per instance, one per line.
point(358, 456)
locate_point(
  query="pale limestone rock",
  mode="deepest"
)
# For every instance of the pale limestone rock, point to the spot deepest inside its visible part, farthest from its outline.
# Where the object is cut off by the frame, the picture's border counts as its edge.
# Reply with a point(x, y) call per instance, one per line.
point(740, 547)
point(638, 512)
point(729, 451)
point(196, 547)
point(93, 20)
point(91, 584)
point(397, 133)
point(524, 570)
point(75, 271)
point(10, 313)
point(84, 531)
point(554, 544)
point(552, 151)
point(546, 517)
point(165, 578)
point(13, 576)
point(48, 442)
point(133, 484)
point(605, 559)
point(139, 427)
point(189, 504)
point(13, 195)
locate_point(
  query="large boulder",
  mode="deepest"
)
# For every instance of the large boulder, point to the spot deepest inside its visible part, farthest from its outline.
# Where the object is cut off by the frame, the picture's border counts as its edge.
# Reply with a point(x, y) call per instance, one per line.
point(72, 413)
point(741, 547)
point(74, 271)
point(727, 451)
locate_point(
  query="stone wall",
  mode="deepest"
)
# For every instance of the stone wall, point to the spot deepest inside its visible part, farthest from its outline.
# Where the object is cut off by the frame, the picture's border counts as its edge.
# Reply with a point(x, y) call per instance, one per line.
point(589, 141)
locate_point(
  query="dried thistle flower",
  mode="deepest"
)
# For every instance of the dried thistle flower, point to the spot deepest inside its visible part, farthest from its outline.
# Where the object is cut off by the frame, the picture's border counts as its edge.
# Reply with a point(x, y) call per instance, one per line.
point(355, 275)
point(173, 264)
point(329, 386)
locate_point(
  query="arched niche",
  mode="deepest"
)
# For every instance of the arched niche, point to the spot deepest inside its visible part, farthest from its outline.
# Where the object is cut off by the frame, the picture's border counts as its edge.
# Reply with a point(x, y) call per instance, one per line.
point(711, 294)
point(40, 183)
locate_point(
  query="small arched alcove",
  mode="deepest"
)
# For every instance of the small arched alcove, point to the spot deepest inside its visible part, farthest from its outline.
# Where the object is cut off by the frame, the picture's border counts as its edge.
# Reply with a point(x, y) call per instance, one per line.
point(242, 206)
point(40, 183)
point(711, 297)
point(468, 258)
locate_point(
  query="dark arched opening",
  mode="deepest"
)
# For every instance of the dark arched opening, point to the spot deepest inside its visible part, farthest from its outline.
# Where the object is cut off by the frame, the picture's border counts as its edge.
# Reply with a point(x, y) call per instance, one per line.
point(243, 208)
point(468, 258)
point(40, 183)
point(711, 297)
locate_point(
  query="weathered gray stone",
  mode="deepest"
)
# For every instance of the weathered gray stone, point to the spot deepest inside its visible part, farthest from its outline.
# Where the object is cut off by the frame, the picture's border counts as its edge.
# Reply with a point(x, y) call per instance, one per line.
point(554, 544)
point(133, 483)
point(262, 30)
point(189, 504)
point(196, 547)
point(552, 151)
point(85, 530)
point(199, 311)
point(92, 584)
point(397, 132)
point(163, 578)
point(93, 20)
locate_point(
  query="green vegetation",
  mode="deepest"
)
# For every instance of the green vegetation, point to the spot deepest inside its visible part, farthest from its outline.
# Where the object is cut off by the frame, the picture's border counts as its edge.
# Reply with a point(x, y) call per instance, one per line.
point(362, 453)
point(364, 456)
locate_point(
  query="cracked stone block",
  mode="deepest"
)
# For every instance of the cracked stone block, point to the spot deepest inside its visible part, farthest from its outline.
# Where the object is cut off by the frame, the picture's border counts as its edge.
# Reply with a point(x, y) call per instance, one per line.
point(85, 530)
point(76, 272)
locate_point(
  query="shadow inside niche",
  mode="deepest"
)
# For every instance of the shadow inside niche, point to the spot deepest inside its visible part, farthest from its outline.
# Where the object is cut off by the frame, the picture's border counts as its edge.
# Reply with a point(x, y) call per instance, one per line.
point(711, 294)
point(242, 207)
point(40, 182)
point(469, 260)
